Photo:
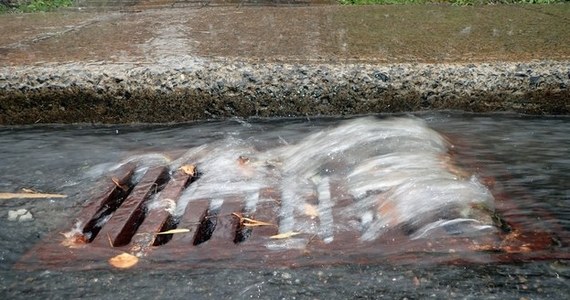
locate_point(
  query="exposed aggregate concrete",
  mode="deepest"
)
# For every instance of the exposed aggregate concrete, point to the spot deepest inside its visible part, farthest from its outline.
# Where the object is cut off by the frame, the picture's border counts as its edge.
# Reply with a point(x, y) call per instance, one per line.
point(194, 89)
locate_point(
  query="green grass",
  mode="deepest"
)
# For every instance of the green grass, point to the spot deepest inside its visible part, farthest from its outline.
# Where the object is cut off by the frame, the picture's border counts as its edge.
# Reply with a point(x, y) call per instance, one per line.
point(37, 6)
point(457, 2)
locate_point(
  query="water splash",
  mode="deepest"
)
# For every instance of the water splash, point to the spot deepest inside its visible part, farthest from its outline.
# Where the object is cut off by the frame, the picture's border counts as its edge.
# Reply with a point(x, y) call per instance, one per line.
point(398, 173)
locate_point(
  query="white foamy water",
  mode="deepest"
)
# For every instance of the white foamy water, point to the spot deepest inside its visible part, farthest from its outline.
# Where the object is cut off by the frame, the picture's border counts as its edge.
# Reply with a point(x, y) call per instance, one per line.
point(396, 172)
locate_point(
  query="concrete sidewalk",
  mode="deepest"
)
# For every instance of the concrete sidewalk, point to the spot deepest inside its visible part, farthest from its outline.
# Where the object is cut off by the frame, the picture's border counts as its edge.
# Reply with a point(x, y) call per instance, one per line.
point(126, 65)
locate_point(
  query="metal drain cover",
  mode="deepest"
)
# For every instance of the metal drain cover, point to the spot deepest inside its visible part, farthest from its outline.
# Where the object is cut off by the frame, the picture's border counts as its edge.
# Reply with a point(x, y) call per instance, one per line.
point(117, 221)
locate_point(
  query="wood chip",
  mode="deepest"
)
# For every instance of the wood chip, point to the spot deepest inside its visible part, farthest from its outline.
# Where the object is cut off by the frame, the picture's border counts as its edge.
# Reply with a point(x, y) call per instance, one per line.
point(123, 261)
point(188, 169)
point(29, 196)
point(285, 235)
point(173, 231)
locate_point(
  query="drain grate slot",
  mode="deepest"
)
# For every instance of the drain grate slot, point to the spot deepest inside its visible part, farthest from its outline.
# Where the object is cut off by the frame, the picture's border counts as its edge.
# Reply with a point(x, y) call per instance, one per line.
point(242, 232)
point(206, 228)
point(123, 224)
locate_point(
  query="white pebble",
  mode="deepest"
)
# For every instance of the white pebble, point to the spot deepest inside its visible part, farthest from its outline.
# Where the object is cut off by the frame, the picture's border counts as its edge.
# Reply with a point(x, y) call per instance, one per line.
point(26, 217)
point(20, 215)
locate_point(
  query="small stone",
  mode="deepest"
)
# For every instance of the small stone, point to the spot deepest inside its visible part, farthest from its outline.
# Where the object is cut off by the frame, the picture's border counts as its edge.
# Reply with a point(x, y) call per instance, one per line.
point(534, 80)
point(26, 217)
point(20, 215)
point(466, 30)
point(13, 215)
point(416, 281)
point(381, 76)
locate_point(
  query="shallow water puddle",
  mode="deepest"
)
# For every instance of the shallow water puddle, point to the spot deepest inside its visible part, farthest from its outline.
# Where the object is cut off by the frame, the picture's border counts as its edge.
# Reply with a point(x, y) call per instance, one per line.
point(364, 191)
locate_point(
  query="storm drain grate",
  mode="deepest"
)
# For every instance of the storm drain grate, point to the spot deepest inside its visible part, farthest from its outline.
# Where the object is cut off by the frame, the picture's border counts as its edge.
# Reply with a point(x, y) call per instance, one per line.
point(118, 221)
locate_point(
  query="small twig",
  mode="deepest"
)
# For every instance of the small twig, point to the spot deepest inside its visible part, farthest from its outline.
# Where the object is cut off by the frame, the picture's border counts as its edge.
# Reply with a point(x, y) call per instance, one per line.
point(110, 242)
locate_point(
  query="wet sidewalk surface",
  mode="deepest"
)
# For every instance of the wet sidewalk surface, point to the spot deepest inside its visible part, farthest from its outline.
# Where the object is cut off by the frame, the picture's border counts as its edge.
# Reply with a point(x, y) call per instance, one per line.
point(290, 32)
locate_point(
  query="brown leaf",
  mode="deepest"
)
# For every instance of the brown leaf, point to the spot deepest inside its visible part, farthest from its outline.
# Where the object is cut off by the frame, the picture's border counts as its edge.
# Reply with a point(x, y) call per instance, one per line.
point(248, 222)
point(123, 261)
point(245, 166)
point(242, 160)
point(74, 240)
point(117, 182)
point(188, 169)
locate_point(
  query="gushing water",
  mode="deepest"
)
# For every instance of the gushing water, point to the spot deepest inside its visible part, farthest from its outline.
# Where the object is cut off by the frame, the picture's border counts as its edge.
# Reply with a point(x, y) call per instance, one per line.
point(527, 157)
point(397, 173)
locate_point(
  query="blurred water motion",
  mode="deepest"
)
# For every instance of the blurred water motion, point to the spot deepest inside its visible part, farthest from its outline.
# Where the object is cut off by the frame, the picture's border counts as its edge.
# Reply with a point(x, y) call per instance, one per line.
point(397, 173)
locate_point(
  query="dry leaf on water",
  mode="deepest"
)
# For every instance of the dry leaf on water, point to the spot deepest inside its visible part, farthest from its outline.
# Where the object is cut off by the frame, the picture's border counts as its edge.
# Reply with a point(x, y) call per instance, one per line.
point(285, 235)
point(245, 167)
point(123, 261)
point(173, 231)
point(248, 222)
point(188, 169)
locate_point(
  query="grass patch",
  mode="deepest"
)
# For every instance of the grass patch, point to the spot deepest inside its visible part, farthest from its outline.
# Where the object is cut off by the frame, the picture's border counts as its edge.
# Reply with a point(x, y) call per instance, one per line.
point(36, 6)
point(457, 2)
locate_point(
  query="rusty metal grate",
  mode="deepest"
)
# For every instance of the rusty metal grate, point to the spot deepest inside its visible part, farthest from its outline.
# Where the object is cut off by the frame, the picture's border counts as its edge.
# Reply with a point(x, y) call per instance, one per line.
point(117, 221)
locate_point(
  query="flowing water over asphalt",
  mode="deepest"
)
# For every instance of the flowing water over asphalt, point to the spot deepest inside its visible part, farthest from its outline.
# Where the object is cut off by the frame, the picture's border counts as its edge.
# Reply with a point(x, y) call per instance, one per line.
point(528, 156)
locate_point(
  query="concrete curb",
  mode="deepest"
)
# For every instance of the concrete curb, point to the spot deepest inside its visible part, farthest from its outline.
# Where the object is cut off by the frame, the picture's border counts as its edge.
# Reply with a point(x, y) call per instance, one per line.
point(200, 89)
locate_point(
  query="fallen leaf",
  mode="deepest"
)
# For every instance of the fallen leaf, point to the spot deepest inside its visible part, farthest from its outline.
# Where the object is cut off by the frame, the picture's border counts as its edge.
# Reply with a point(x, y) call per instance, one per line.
point(123, 261)
point(254, 223)
point(29, 195)
point(188, 169)
point(242, 160)
point(74, 239)
point(173, 231)
point(117, 182)
point(248, 222)
point(285, 235)
point(245, 167)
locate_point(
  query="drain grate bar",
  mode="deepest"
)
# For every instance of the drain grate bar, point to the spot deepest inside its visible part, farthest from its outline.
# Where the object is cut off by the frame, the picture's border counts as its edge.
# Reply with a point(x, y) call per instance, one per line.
point(195, 213)
point(119, 230)
point(114, 192)
point(159, 219)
